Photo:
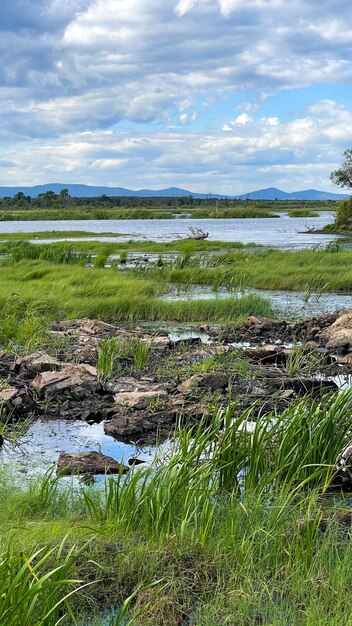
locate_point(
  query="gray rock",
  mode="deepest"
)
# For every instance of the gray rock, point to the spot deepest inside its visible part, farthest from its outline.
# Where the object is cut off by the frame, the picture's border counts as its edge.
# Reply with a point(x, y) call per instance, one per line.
point(125, 426)
point(40, 362)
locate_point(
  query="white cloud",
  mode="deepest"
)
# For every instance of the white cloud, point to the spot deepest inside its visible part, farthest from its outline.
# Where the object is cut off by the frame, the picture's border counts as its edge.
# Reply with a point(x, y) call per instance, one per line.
point(95, 66)
point(252, 155)
point(244, 118)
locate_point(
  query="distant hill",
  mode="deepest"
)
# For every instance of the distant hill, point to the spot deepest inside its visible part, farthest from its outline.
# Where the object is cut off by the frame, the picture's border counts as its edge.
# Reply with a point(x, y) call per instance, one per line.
point(88, 191)
point(271, 193)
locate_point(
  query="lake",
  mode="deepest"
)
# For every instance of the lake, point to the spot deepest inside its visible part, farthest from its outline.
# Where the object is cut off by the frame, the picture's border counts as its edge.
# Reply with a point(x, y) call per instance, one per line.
point(284, 232)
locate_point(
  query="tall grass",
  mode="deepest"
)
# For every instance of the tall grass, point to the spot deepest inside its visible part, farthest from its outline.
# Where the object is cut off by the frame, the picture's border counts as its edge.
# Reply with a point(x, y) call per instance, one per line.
point(227, 521)
point(56, 253)
point(36, 588)
point(317, 269)
point(276, 455)
point(76, 291)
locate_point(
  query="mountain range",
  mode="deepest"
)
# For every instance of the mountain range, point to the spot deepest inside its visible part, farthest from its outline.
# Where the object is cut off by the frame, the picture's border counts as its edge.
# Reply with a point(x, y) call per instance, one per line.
point(87, 191)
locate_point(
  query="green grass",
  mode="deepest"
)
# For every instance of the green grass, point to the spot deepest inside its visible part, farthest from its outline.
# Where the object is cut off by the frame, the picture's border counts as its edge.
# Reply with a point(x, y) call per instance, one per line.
point(33, 292)
point(55, 234)
point(303, 213)
point(229, 265)
point(96, 213)
point(224, 531)
point(318, 270)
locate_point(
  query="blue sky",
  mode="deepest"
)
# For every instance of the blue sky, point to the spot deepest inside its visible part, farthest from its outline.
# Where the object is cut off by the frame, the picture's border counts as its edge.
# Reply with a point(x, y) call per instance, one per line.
point(210, 95)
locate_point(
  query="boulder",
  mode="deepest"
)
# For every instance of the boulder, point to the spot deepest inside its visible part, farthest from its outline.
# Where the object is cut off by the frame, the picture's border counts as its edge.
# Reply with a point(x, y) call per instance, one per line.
point(125, 426)
point(40, 362)
point(339, 334)
point(160, 343)
point(266, 354)
point(88, 463)
point(261, 323)
point(77, 380)
point(139, 399)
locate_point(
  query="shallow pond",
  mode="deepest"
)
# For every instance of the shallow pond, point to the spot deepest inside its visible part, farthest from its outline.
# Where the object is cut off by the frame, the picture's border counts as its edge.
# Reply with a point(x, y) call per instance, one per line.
point(283, 232)
point(39, 448)
point(289, 303)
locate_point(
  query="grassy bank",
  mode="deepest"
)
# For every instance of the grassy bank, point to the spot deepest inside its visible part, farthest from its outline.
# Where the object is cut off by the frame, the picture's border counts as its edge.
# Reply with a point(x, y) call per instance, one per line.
point(231, 529)
point(45, 289)
point(55, 234)
point(315, 270)
point(96, 213)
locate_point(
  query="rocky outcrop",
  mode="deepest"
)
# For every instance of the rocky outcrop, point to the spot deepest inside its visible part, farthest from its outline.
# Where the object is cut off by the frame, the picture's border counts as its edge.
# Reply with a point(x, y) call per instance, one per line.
point(339, 334)
point(72, 393)
point(77, 380)
point(88, 463)
point(139, 399)
point(17, 403)
point(38, 362)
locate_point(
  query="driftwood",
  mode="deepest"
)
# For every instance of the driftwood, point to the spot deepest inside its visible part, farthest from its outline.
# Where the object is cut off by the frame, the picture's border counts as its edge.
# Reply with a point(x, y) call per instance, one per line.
point(197, 233)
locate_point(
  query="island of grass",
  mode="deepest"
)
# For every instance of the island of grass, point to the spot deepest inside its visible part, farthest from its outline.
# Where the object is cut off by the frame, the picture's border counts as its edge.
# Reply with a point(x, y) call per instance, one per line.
point(51, 206)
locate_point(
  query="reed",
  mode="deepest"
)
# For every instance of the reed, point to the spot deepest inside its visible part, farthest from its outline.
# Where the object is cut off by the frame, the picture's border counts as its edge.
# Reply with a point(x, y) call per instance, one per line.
point(223, 527)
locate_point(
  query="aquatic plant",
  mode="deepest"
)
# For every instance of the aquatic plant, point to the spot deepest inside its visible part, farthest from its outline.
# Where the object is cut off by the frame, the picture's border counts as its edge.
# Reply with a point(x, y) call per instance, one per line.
point(108, 352)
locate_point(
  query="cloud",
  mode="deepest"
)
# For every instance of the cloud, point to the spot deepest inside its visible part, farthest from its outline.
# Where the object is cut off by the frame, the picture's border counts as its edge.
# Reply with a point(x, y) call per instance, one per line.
point(154, 53)
point(148, 88)
point(294, 154)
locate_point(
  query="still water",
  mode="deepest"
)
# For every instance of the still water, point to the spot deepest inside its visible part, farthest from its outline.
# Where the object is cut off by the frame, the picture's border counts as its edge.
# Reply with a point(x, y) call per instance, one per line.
point(282, 232)
point(295, 304)
point(39, 448)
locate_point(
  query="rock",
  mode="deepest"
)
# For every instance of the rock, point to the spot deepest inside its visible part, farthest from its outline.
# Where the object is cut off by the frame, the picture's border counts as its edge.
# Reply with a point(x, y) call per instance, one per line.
point(312, 345)
point(88, 463)
point(123, 426)
point(139, 399)
point(6, 395)
point(161, 343)
point(339, 334)
point(40, 362)
point(345, 360)
point(77, 379)
point(128, 384)
point(15, 366)
point(261, 323)
point(312, 386)
point(266, 354)
point(189, 384)
point(18, 403)
point(257, 392)
point(287, 394)
point(135, 461)
point(211, 381)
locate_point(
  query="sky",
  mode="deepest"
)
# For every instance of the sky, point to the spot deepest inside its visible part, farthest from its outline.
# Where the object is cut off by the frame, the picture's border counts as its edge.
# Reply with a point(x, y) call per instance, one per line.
point(214, 96)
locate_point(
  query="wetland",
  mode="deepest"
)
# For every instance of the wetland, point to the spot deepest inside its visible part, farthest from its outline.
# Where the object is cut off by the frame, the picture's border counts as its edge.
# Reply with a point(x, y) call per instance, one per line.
point(175, 422)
